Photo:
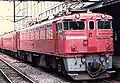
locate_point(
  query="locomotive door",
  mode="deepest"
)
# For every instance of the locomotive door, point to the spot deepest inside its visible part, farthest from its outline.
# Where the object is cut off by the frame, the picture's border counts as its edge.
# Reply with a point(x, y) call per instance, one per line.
point(57, 32)
point(91, 33)
point(55, 36)
point(15, 41)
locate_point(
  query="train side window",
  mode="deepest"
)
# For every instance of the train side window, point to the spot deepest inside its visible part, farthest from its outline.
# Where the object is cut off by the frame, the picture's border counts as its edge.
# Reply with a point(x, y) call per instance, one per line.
point(91, 25)
point(41, 27)
point(59, 28)
point(49, 26)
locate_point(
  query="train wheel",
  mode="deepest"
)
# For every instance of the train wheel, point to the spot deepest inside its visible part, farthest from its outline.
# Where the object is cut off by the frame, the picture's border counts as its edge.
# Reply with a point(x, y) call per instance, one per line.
point(60, 66)
point(16, 55)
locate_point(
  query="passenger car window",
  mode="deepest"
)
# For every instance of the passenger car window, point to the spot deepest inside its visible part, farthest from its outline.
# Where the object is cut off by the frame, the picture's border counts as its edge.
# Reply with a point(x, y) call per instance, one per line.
point(91, 25)
point(41, 27)
point(49, 26)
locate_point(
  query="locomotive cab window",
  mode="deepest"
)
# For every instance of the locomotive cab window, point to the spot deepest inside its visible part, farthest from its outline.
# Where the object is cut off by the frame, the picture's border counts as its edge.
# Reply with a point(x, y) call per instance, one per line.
point(104, 25)
point(91, 25)
point(59, 28)
point(66, 25)
point(74, 25)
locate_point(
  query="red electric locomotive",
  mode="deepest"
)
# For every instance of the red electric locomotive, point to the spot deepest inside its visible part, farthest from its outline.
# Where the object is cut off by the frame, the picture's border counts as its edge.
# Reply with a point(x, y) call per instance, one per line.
point(80, 45)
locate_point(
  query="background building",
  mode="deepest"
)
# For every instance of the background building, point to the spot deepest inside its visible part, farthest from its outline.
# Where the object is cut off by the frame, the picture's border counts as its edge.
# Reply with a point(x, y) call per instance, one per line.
point(6, 16)
point(27, 12)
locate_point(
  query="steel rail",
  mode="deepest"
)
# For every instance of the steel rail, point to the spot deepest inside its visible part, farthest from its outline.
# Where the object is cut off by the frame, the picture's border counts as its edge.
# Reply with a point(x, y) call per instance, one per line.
point(107, 81)
point(6, 76)
point(29, 79)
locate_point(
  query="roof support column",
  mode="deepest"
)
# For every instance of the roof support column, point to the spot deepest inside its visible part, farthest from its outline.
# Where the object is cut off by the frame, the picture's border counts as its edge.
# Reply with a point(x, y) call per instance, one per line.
point(14, 13)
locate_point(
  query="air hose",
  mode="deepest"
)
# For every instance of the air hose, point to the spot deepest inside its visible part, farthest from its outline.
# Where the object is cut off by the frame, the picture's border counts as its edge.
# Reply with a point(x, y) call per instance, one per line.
point(90, 66)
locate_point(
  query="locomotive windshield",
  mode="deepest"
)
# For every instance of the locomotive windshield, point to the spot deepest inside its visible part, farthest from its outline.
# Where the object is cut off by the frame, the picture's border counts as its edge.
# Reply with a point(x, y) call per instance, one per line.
point(74, 25)
point(104, 24)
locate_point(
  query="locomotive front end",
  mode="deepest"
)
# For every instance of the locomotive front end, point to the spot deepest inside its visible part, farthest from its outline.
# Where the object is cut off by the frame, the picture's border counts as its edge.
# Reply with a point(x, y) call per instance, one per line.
point(87, 46)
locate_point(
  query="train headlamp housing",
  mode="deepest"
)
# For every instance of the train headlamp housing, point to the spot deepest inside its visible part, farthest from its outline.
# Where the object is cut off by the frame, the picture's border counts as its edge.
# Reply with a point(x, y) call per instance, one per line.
point(107, 58)
point(103, 16)
point(107, 61)
point(77, 16)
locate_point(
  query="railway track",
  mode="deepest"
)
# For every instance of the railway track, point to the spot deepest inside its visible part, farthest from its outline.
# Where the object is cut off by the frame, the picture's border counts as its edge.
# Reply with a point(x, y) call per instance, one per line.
point(105, 80)
point(43, 79)
point(13, 75)
point(3, 77)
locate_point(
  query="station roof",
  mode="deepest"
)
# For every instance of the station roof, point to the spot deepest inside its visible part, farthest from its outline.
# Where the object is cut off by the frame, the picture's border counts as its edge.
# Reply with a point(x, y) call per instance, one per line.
point(55, 0)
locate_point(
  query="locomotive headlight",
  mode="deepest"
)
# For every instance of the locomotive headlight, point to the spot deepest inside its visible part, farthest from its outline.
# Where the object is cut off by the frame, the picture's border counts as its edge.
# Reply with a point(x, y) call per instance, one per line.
point(107, 61)
point(77, 16)
point(107, 58)
point(103, 16)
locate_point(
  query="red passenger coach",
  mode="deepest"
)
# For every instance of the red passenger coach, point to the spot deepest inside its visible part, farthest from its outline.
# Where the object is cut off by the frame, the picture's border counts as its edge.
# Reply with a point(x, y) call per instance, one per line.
point(79, 44)
point(1, 43)
point(9, 42)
